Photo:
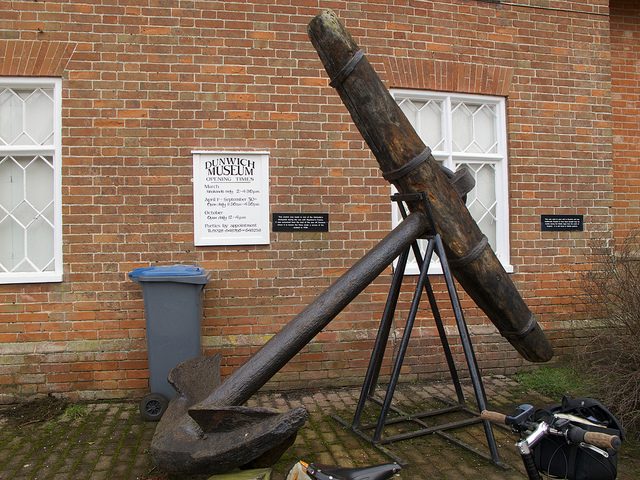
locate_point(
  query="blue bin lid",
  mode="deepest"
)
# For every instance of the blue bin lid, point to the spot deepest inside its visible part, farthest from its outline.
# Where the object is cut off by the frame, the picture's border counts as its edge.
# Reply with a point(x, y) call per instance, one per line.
point(170, 273)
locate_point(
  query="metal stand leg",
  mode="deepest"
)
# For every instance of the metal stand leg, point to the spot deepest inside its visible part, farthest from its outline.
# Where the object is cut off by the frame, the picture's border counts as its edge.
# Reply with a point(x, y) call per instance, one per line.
point(373, 371)
point(434, 245)
point(424, 265)
point(469, 354)
point(395, 375)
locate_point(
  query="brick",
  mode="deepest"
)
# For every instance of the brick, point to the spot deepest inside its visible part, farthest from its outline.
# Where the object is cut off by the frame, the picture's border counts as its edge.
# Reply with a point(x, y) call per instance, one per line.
point(146, 85)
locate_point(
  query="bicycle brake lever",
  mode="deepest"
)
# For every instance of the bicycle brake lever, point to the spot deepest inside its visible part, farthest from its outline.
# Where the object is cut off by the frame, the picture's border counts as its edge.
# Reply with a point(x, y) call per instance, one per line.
point(602, 452)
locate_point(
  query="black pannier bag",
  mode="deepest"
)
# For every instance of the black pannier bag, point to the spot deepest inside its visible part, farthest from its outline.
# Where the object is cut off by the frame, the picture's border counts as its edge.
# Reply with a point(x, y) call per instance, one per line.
point(558, 459)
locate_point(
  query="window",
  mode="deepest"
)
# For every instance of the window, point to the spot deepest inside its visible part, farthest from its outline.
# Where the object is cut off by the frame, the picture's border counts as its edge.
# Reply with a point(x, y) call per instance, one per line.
point(467, 130)
point(30, 180)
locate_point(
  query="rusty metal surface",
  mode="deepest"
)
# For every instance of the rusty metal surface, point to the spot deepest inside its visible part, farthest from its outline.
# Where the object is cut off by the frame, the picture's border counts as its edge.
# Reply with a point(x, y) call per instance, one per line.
point(220, 439)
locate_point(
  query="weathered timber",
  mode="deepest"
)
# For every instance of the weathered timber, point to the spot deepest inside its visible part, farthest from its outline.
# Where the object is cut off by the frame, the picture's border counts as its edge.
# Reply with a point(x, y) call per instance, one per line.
point(405, 160)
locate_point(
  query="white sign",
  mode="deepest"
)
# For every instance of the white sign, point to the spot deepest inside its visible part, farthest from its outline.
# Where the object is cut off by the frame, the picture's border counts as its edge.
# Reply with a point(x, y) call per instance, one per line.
point(231, 198)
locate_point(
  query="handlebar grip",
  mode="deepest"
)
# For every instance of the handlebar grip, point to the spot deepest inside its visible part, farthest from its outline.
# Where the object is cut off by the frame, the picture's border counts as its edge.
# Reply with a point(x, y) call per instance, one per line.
point(603, 440)
point(494, 417)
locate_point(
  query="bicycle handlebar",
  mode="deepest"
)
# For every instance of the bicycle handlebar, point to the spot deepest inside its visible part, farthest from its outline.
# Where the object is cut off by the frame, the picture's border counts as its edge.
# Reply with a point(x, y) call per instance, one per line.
point(574, 434)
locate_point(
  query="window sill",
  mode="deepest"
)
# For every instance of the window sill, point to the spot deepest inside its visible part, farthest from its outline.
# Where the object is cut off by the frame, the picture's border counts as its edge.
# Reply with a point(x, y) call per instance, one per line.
point(9, 278)
point(437, 269)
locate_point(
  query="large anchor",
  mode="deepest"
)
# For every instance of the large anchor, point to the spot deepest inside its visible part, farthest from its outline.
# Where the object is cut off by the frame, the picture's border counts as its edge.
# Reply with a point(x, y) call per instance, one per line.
point(205, 428)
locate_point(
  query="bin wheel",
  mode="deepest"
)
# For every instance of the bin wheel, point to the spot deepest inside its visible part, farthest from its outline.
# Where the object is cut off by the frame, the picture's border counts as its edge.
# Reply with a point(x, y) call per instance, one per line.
point(153, 406)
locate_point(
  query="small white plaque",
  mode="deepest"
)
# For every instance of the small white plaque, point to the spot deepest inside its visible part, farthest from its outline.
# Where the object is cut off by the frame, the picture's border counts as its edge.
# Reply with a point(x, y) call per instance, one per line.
point(231, 198)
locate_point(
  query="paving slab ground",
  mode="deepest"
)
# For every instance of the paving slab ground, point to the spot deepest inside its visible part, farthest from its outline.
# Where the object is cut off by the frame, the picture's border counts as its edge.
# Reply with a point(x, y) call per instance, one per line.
point(53, 441)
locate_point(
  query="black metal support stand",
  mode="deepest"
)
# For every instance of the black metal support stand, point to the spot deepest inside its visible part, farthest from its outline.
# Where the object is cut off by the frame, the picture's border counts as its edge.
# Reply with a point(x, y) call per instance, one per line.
point(378, 439)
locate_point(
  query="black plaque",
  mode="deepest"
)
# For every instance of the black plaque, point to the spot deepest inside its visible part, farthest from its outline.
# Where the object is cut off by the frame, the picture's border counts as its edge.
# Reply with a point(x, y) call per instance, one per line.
point(300, 222)
point(561, 223)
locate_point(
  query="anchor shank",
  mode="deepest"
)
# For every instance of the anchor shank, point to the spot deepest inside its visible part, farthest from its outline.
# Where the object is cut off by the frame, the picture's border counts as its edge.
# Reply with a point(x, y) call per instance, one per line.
point(247, 380)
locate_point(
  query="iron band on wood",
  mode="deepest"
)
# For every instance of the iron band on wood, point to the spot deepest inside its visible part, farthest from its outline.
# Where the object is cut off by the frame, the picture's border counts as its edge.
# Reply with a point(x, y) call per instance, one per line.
point(524, 331)
point(349, 67)
point(471, 255)
point(408, 167)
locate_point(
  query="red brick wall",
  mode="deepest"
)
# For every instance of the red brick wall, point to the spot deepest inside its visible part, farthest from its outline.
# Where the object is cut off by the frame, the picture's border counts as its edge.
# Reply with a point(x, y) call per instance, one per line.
point(145, 84)
point(625, 88)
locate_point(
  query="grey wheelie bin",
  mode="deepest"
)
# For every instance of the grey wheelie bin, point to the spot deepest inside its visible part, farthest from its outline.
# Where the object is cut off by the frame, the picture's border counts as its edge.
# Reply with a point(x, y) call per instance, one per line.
point(173, 311)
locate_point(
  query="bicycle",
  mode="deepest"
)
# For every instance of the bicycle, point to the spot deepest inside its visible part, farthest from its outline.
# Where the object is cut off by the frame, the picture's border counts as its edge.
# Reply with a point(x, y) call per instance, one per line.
point(577, 440)
point(555, 443)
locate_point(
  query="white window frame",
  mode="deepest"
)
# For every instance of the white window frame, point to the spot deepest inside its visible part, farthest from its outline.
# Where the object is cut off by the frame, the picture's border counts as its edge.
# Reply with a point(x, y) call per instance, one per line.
point(449, 159)
point(55, 151)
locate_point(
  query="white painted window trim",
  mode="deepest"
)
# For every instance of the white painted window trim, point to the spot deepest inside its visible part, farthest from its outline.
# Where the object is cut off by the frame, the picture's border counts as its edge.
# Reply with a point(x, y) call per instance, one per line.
point(448, 158)
point(56, 152)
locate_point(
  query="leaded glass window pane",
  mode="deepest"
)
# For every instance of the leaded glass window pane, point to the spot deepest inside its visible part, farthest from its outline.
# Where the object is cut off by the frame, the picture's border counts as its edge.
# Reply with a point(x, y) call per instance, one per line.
point(482, 201)
point(26, 116)
point(26, 195)
point(473, 128)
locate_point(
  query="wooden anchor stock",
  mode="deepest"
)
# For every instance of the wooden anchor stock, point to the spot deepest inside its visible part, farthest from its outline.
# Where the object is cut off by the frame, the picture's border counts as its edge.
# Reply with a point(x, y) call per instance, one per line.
point(407, 163)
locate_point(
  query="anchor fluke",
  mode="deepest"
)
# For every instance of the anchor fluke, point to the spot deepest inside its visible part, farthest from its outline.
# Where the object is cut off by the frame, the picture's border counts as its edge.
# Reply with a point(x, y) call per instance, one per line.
point(216, 439)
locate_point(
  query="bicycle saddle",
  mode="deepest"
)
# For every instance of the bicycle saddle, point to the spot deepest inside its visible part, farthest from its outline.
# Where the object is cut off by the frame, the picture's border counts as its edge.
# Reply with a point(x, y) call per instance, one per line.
point(376, 472)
